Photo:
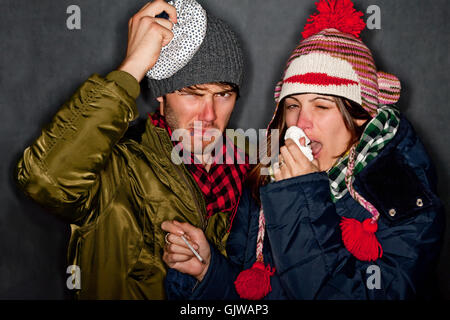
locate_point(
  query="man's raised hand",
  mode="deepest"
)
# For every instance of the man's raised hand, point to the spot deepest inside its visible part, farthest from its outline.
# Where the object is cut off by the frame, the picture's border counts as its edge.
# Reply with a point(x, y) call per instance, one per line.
point(146, 37)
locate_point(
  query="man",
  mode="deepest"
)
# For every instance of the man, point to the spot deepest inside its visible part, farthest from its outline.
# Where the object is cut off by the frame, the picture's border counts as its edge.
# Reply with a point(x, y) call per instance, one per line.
point(116, 192)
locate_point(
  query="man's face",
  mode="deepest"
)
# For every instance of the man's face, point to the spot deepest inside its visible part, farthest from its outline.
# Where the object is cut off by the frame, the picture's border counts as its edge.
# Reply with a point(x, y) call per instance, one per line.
point(209, 104)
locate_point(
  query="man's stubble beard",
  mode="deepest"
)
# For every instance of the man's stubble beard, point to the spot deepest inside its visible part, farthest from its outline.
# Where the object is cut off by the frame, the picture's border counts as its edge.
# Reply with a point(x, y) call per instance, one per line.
point(170, 117)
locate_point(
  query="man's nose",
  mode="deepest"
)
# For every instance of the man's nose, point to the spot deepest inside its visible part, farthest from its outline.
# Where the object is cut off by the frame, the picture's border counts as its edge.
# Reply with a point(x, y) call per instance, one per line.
point(208, 112)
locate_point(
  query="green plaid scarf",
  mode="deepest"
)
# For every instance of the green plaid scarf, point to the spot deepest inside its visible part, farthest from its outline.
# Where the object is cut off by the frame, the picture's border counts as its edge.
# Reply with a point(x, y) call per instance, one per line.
point(379, 131)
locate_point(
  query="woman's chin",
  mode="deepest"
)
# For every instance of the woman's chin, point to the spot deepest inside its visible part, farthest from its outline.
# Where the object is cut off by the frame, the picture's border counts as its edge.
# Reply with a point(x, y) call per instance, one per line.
point(323, 164)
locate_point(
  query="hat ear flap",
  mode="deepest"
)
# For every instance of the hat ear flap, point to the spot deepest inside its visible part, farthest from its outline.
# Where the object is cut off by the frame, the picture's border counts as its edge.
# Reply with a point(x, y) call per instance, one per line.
point(276, 95)
point(389, 88)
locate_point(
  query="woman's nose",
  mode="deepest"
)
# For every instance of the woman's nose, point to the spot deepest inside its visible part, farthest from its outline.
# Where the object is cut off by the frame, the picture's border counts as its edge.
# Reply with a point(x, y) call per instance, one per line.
point(304, 121)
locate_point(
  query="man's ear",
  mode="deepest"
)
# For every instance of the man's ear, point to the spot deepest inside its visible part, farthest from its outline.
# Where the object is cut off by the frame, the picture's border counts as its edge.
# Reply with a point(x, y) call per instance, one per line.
point(161, 105)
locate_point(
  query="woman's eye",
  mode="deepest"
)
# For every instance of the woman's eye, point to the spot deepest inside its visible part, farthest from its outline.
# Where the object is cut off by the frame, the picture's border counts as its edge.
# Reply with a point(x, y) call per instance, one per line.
point(322, 107)
point(291, 106)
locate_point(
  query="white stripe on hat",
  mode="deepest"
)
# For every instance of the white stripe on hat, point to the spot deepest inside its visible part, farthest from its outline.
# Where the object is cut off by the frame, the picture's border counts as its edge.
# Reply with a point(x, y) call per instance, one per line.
point(323, 74)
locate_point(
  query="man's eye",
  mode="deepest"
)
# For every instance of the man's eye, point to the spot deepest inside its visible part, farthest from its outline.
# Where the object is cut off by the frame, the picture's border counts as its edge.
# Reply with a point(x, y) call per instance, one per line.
point(223, 94)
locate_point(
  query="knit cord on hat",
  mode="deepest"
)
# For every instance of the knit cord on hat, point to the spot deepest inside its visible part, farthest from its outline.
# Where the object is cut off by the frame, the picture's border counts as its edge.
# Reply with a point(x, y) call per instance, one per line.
point(359, 238)
point(355, 195)
point(254, 283)
point(260, 239)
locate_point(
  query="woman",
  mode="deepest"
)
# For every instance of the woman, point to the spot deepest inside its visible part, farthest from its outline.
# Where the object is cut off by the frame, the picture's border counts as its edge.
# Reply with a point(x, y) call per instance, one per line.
point(360, 221)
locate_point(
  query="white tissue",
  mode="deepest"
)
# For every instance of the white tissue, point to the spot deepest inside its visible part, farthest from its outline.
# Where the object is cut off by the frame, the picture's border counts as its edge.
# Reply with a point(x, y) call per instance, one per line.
point(295, 133)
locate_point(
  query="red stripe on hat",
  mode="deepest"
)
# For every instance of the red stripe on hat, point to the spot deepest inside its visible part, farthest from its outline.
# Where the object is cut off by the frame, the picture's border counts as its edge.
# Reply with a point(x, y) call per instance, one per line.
point(319, 79)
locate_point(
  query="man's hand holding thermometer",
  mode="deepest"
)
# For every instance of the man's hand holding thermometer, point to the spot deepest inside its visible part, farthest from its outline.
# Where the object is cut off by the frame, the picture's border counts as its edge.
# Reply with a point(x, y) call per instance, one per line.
point(186, 248)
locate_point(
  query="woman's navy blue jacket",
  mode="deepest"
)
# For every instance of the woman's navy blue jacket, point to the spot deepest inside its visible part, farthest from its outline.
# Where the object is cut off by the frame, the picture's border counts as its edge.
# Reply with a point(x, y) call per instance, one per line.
point(303, 238)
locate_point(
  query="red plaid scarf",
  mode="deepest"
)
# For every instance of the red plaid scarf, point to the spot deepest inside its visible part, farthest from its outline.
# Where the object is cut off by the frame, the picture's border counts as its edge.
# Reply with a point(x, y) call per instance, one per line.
point(222, 185)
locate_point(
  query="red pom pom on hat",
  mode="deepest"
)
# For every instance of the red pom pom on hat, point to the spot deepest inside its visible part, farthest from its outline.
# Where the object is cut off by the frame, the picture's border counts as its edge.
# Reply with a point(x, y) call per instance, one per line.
point(254, 283)
point(360, 240)
point(335, 14)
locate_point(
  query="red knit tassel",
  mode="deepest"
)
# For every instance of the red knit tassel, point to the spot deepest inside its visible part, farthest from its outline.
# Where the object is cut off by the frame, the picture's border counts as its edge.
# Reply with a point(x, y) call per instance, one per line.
point(336, 14)
point(360, 240)
point(254, 283)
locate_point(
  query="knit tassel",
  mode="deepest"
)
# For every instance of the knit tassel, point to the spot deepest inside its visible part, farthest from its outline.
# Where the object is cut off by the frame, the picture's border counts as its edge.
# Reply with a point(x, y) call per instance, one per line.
point(337, 14)
point(254, 283)
point(360, 240)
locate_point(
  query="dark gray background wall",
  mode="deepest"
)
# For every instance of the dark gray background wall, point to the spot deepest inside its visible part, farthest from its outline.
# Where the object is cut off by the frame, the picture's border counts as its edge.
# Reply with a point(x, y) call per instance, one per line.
point(42, 63)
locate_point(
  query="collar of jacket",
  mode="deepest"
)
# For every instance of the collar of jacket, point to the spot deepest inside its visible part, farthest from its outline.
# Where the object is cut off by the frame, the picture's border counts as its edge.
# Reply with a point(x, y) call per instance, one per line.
point(158, 150)
point(158, 142)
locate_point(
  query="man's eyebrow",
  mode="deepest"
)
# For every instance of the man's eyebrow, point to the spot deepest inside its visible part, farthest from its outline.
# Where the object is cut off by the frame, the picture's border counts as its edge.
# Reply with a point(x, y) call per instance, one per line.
point(225, 91)
point(202, 92)
point(191, 91)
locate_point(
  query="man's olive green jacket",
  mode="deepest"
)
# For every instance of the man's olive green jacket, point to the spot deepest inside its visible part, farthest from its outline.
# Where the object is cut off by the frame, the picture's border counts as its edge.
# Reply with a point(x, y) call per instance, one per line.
point(115, 192)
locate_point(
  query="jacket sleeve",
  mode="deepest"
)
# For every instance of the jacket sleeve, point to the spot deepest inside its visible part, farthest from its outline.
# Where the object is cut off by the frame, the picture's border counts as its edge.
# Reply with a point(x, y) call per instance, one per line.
point(60, 169)
point(303, 228)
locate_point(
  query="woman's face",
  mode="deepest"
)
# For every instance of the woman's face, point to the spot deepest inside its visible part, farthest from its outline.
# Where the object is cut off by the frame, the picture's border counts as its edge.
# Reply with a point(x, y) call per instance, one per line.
point(319, 117)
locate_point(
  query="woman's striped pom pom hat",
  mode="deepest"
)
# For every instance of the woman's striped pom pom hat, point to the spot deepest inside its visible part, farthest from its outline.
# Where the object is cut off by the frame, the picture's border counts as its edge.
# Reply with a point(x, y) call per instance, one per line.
point(332, 60)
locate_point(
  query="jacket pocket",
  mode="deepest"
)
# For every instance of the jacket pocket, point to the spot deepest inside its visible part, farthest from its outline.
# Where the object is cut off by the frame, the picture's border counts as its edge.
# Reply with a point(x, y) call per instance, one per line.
point(145, 266)
point(77, 238)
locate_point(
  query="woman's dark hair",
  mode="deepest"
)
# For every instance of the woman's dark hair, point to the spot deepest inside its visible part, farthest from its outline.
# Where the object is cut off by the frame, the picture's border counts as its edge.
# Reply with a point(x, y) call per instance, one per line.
point(350, 111)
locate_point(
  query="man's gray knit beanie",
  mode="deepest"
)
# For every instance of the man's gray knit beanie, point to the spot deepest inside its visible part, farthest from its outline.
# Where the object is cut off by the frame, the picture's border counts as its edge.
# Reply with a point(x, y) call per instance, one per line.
point(219, 59)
